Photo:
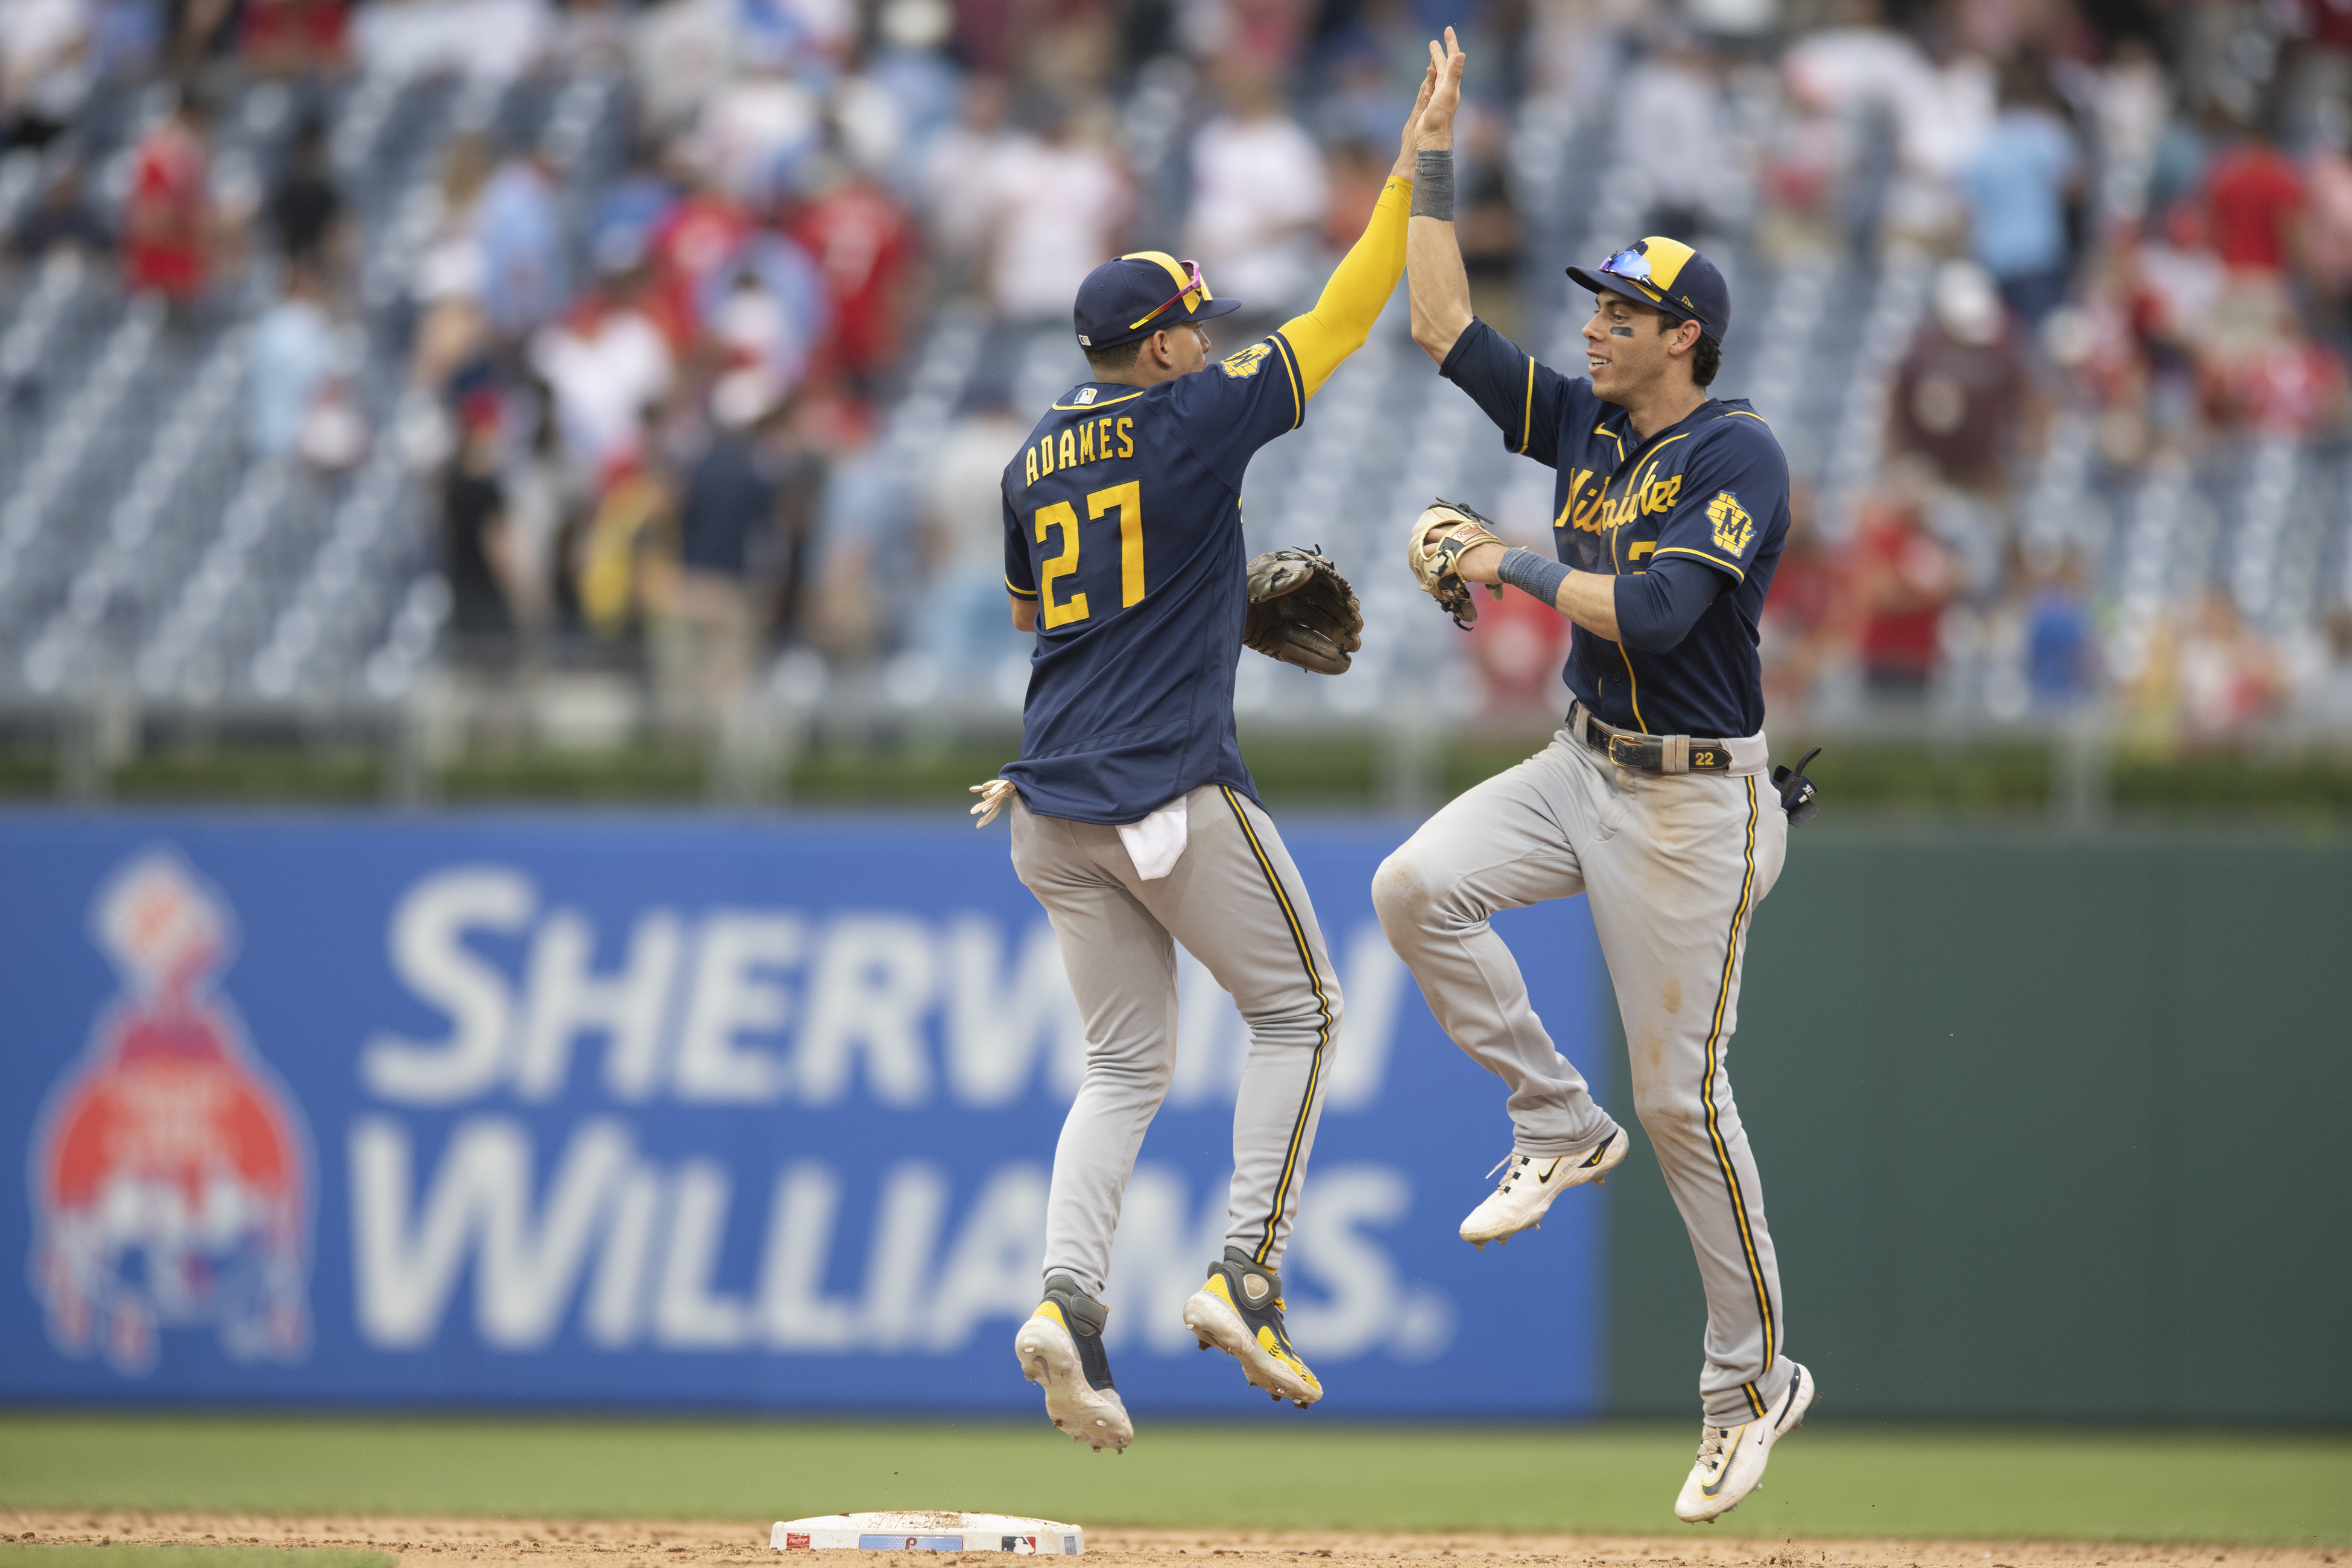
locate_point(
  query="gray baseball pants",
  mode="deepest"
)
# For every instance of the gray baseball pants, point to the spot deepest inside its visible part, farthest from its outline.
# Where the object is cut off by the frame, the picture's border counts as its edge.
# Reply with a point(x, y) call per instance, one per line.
point(1675, 865)
point(1236, 904)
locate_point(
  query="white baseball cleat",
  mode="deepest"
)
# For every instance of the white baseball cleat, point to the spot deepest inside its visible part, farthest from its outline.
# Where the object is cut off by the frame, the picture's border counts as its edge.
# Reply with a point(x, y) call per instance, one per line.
point(1731, 1459)
point(1533, 1181)
point(1065, 1358)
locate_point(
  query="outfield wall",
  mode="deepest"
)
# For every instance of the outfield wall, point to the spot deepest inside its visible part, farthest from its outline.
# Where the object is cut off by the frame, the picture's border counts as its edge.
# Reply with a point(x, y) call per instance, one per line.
point(2048, 1128)
point(639, 1112)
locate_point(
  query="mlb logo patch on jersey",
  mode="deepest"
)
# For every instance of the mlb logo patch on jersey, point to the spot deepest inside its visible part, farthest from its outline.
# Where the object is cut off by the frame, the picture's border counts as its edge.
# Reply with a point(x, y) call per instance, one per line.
point(1733, 527)
point(1246, 362)
point(1085, 396)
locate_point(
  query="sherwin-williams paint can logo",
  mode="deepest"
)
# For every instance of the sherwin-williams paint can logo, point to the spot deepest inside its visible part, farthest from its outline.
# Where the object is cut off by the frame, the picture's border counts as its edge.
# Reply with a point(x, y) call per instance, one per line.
point(170, 1172)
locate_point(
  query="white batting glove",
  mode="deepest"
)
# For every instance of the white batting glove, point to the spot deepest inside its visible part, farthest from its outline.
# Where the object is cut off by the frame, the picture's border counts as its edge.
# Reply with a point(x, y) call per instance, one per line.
point(992, 796)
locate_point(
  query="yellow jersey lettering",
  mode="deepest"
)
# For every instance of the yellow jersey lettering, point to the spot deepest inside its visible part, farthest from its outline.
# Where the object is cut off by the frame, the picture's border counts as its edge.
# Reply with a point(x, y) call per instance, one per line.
point(1129, 499)
point(1045, 456)
point(1127, 437)
point(1063, 516)
point(1086, 442)
point(1029, 465)
point(1069, 449)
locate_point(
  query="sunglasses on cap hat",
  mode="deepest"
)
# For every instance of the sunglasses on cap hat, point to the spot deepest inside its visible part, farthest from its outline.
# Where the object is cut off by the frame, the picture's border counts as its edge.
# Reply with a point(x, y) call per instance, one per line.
point(1633, 266)
point(1193, 284)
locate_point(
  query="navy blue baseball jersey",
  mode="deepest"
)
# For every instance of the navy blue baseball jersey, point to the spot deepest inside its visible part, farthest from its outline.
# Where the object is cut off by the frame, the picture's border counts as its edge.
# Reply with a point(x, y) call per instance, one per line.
point(1123, 520)
point(1713, 486)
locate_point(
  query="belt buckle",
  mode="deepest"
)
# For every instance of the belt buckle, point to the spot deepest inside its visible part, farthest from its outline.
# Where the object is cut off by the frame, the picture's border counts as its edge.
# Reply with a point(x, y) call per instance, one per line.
point(1632, 744)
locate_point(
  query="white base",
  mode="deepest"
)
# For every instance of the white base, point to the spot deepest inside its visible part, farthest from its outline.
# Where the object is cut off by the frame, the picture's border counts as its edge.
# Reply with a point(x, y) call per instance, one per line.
point(924, 1530)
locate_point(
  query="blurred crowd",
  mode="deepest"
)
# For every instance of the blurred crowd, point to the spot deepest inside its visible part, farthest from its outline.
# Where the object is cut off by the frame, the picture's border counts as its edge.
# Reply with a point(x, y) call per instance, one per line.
point(659, 407)
point(2131, 223)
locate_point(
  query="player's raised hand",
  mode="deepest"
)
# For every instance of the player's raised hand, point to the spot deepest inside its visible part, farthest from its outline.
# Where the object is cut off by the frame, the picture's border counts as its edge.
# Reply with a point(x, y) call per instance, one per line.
point(1442, 91)
point(1411, 142)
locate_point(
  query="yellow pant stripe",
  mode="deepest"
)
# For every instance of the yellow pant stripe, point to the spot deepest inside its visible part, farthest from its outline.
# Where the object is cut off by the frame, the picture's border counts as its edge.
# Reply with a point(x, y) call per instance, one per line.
point(1706, 1092)
point(1323, 1035)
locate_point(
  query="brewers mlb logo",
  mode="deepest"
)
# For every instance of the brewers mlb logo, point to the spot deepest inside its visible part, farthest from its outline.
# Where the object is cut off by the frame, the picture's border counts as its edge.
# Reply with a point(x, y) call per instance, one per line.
point(1246, 363)
point(1733, 527)
point(171, 1184)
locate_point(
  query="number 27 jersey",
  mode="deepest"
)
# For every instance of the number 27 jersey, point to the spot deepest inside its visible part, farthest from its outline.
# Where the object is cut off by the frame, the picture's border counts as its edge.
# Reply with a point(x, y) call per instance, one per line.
point(1122, 520)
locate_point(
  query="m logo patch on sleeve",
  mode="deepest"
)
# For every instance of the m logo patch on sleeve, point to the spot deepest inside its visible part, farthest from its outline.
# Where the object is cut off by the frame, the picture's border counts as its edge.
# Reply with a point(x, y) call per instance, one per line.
point(1733, 527)
point(1246, 363)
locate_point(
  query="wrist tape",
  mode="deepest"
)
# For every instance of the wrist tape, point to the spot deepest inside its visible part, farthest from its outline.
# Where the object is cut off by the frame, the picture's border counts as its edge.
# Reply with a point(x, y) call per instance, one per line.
point(1530, 574)
point(1433, 186)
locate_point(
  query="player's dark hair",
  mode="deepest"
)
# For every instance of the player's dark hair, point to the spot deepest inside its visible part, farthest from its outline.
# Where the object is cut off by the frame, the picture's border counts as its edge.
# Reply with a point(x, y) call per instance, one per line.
point(1706, 359)
point(1115, 358)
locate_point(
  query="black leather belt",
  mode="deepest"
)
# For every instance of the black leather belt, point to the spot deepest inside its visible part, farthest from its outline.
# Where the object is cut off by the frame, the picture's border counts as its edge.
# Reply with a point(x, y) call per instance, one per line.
point(1650, 753)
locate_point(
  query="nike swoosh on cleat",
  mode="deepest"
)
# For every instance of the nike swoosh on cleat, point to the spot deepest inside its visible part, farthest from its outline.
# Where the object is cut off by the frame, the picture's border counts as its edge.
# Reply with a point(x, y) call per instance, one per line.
point(1599, 1153)
point(1547, 1172)
point(1730, 1450)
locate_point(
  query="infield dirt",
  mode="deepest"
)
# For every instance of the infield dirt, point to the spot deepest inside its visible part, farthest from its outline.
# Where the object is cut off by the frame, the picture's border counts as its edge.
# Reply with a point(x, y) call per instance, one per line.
point(555, 1543)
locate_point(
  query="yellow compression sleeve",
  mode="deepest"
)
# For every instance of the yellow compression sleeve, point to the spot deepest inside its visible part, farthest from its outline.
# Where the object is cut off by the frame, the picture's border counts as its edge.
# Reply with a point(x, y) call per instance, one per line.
point(1361, 285)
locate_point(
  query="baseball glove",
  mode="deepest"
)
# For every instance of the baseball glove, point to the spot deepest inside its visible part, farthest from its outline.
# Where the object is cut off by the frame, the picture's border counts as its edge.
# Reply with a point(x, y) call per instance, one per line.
point(1440, 534)
point(1302, 612)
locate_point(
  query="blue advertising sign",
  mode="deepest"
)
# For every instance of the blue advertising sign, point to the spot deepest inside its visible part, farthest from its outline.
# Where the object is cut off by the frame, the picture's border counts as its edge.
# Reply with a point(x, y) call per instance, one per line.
point(690, 1113)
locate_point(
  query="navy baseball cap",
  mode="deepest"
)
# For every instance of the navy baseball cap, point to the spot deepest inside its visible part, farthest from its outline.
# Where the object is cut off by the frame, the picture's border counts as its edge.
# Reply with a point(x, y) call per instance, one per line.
point(1669, 276)
point(1128, 298)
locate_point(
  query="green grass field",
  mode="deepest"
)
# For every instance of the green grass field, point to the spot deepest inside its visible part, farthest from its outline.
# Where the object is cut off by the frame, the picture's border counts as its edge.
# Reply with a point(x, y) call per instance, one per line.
point(120, 1555)
point(1938, 1483)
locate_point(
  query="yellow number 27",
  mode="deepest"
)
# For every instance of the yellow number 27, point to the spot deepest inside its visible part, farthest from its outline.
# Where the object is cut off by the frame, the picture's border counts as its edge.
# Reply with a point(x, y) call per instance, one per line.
point(1129, 499)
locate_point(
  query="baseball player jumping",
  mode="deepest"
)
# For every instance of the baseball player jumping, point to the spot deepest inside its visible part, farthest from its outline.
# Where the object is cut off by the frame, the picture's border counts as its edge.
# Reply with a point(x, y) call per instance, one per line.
point(1134, 821)
point(1672, 507)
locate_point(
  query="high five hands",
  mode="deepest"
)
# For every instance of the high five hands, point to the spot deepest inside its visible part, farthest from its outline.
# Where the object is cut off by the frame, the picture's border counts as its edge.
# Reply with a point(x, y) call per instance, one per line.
point(1411, 143)
point(1441, 96)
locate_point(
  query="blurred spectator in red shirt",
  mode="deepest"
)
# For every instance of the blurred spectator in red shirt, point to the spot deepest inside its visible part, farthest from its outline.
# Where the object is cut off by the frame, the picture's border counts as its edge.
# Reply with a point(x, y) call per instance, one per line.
point(1800, 628)
point(2255, 197)
point(167, 218)
point(295, 37)
point(863, 242)
point(1903, 578)
point(699, 238)
point(2290, 386)
point(1519, 646)
point(1358, 172)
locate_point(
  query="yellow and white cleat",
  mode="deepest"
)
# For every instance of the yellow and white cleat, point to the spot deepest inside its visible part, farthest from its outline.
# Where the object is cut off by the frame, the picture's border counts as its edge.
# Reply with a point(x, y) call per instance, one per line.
point(1061, 1352)
point(1239, 1311)
point(1532, 1182)
point(1731, 1459)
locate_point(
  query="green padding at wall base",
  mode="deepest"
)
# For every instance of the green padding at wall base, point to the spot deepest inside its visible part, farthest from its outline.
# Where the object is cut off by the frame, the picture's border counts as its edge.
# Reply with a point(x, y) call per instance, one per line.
point(2049, 1128)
